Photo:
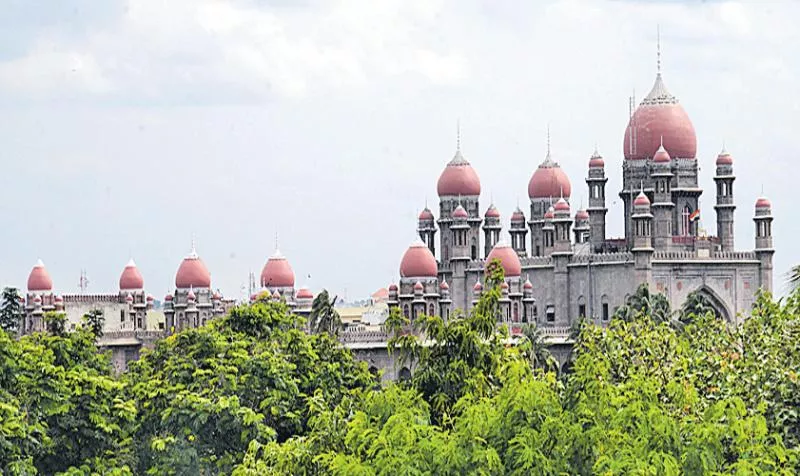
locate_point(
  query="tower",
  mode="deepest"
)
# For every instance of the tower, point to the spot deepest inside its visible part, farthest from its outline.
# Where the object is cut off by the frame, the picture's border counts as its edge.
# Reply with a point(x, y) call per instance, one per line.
point(562, 252)
point(764, 249)
point(725, 206)
point(582, 228)
point(491, 229)
point(427, 229)
point(548, 183)
point(518, 231)
point(642, 241)
point(596, 181)
point(547, 233)
point(562, 222)
point(662, 207)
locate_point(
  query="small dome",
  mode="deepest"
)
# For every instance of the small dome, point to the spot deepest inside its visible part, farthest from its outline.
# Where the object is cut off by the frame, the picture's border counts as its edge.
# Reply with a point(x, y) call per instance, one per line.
point(458, 178)
point(192, 273)
point(253, 297)
point(508, 258)
point(763, 202)
point(418, 262)
point(131, 278)
point(216, 296)
point(641, 200)
point(150, 298)
point(724, 158)
point(504, 285)
point(168, 298)
point(596, 160)
point(426, 214)
point(304, 293)
point(190, 296)
point(393, 287)
point(39, 279)
point(459, 212)
point(661, 156)
point(37, 299)
point(129, 298)
point(478, 286)
point(582, 214)
point(528, 284)
point(492, 212)
point(59, 299)
point(277, 272)
point(418, 286)
point(549, 181)
point(562, 205)
point(276, 295)
point(444, 286)
point(518, 215)
point(550, 213)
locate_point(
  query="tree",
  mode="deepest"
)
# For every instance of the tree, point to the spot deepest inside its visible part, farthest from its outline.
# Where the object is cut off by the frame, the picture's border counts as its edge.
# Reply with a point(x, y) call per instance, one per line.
point(55, 323)
point(696, 305)
point(324, 317)
point(794, 277)
point(644, 304)
point(95, 320)
point(538, 354)
point(10, 310)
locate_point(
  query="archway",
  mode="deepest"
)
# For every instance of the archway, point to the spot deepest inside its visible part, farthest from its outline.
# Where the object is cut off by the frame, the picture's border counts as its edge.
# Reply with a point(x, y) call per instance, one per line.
point(716, 302)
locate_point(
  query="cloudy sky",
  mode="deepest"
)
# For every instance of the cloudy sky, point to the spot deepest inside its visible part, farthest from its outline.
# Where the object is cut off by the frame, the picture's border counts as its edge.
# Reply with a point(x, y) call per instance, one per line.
point(129, 126)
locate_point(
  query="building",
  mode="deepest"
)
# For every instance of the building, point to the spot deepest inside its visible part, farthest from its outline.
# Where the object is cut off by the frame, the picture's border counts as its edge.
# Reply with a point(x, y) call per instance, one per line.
point(572, 268)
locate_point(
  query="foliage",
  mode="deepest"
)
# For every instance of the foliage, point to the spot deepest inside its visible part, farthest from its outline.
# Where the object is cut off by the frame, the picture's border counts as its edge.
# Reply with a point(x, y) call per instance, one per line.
point(794, 277)
point(10, 310)
point(537, 351)
point(642, 303)
point(324, 317)
point(55, 323)
point(94, 320)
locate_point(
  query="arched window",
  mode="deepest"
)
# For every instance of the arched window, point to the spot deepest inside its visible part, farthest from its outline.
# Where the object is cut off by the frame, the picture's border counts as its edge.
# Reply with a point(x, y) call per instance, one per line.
point(685, 223)
point(431, 310)
point(581, 307)
point(606, 311)
point(515, 314)
point(406, 311)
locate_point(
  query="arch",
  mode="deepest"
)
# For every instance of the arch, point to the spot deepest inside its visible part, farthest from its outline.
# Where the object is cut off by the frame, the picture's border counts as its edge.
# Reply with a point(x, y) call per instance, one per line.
point(404, 374)
point(431, 310)
point(716, 302)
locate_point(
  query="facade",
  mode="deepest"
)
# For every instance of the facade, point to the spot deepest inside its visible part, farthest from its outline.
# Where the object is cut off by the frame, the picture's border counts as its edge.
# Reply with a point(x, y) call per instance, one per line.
point(572, 268)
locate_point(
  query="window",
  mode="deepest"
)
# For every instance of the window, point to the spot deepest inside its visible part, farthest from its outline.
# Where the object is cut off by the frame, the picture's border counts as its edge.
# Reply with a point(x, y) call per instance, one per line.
point(605, 311)
point(515, 315)
point(538, 253)
point(431, 310)
point(581, 310)
point(406, 311)
point(474, 252)
point(551, 313)
point(122, 315)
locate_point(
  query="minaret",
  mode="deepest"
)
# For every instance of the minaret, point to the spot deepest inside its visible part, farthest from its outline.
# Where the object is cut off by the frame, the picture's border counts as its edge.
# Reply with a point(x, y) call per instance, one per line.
point(562, 252)
point(427, 229)
point(642, 242)
point(548, 232)
point(663, 206)
point(491, 229)
point(518, 231)
point(562, 222)
point(764, 249)
point(725, 206)
point(596, 181)
point(582, 228)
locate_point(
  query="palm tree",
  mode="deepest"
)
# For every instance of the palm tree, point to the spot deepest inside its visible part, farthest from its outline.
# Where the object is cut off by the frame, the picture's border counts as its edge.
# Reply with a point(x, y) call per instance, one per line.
point(642, 302)
point(794, 277)
point(324, 317)
point(540, 356)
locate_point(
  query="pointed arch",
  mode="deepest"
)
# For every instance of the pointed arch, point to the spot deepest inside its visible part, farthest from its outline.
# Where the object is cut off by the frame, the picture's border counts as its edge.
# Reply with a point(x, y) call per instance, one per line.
point(716, 302)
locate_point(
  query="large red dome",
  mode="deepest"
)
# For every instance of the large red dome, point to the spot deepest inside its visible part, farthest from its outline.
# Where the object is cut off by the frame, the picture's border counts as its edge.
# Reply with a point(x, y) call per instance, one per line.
point(418, 262)
point(192, 273)
point(277, 272)
point(508, 258)
point(660, 115)
point(549, 181)
point(458, 178)
point(131, 278)
point(39, 279)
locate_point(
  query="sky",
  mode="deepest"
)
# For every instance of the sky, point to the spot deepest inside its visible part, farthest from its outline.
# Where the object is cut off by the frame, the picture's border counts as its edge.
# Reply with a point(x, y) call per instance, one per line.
point(130, 127)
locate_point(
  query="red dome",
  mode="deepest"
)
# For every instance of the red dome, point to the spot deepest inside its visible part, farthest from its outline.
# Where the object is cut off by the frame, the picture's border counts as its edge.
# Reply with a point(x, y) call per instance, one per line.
point(550, 213)
point(762, 202)
point(418, 262)
point(549, 181)
point(459, 212)
point(562, 205)
point(518, 215)
point(277, 272)
point(724, 158)
point(492, 212)
point(129, 298)
point(660, 115)
point(189, 297)
point(304, 293)
point(192, 273)
point(478, 286)
point(168, 297)
point(504, 285)
point(37, 299)
point(582, 215)
point(131, 278)
point(426, 214)
point(528, 284)
point(661, 156)
point(393, 287)
point(39, 279)
point(508, 258)
point(59, 299)
point(150, 298)
point(458, 178)
point(641, 200)
point(216, 296)
point(418, 286)
point(596, 160)
point(444, 286)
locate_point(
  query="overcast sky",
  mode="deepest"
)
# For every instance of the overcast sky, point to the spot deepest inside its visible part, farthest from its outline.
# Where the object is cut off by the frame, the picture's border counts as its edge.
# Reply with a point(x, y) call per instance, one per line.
point(127, 127)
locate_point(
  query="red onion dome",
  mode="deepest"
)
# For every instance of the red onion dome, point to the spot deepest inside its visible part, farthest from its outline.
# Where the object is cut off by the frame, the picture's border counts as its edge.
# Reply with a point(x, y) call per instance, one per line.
point(508, 258)
point(478, 286)
point(426, 214)
point(304, 293)
point(129, 298)
point(191, 296)
point(550, 213)
point(277, 272)
point(459, 212)
point(562, 205)
point(418, 262)
point(763, 202)
point(418, 286)
point(724, 158)
point(276, 295)
point(549, 181)
point(492, 212)
point(39, 279)
point(458, 178)
point(517, 215)
point(168, 297)
point(582, 215)
point(504, 285)
point(661, 156)
point(131, 278)
point(216, 296)
point(444, 286)
point(393, 287)
point(59, 299)
point(253, 297)
point(528, 284)
point(641, 200)
point(596, 160)
point(659, 116)
point(192, 273)
point(37, 299)
point(150, 298)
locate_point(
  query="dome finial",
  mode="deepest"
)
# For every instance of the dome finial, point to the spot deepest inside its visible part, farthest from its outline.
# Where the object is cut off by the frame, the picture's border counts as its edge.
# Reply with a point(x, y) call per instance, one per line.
point(458, 135)
point(658, 49)
point(548, 140)
point(662, 141)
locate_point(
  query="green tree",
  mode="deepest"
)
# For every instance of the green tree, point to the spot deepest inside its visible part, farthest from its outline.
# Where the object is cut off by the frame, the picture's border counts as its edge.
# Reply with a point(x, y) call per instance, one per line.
point(538, 353)
point(95, 320)
point(55, 323)
point(10, 310)
point(324, 317)
point(696, 304)
point(642, 303)
point(794, 277)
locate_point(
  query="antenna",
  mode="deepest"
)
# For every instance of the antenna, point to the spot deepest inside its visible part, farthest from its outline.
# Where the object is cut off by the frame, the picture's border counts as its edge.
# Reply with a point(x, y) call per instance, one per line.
point(83, 282)
point(658, 49)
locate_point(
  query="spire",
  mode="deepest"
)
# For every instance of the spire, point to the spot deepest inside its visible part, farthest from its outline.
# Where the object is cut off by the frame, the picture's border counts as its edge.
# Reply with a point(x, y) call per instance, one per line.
point(458, 135)
point(548, 140)
point(658, 49)
point(193, 251)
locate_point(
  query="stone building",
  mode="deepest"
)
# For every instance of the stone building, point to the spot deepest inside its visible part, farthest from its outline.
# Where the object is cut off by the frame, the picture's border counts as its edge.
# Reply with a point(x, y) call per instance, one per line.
point(573, 269)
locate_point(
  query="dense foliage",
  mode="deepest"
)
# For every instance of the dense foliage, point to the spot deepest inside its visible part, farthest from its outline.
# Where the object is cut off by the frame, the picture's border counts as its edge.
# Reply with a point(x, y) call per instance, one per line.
point(253, 394)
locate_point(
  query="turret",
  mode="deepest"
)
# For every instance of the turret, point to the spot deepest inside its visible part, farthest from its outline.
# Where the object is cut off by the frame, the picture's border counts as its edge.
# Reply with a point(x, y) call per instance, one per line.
point(458, 186)
point(459, 227)
point(491, 229)
point(642, 245)
point(596, 181)
point(548, 232)
point(518, 232)
point(725, 206)
point(427, 229)
point(663, 206)
point(764, 249)
point(562, 222)
point(582, 228)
